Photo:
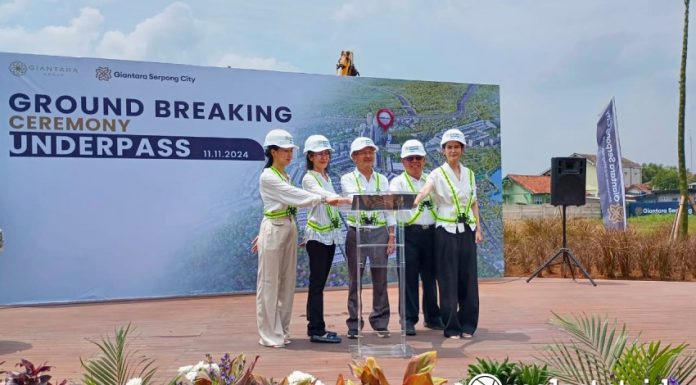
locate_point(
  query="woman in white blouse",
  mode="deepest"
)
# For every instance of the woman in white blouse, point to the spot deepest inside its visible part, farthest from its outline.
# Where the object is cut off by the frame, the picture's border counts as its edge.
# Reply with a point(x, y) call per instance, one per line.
point(457, 232)
point(277, 240)
point(322, 234)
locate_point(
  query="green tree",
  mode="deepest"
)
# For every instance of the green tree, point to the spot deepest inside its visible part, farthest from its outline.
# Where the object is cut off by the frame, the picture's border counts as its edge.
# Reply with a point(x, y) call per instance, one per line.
point(666, 178)
point(660, 177)
point(649, 170)
point(684, 225)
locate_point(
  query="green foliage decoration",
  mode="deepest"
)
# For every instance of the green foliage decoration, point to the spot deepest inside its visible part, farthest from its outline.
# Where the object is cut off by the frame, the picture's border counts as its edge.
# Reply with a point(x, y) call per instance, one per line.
point(117, 364)
point(532, 374)
point(504, 371)
point(596, 347)
point(600, 351)
point(654, 363)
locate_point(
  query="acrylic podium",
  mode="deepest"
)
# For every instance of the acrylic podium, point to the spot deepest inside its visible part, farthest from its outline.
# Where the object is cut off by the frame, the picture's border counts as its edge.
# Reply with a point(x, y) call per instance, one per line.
point(369, 344)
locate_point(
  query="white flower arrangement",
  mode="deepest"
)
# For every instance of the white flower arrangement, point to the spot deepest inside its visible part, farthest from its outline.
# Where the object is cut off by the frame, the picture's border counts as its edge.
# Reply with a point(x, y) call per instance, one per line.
point(191, 372)
point(135, 381)
point(301, 378)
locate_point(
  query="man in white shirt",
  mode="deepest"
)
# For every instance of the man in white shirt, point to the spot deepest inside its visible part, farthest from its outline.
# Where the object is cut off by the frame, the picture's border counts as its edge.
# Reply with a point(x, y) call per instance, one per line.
point(419, 233)
point(375, 228)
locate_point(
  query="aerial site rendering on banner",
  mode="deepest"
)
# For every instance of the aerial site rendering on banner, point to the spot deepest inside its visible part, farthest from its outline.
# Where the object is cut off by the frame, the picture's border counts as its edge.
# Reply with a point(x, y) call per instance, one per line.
point(422, 111)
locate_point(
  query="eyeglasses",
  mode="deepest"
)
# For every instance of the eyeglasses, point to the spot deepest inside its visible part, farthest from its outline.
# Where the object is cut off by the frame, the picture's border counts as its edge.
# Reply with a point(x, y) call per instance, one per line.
point(414, 157)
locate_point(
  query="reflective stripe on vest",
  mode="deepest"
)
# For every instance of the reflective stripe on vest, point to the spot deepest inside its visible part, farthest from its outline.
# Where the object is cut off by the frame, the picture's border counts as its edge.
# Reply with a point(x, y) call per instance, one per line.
point(469, 218)
point(421, 205)
point(334, 219)
point(364, 220)
point(290, 211)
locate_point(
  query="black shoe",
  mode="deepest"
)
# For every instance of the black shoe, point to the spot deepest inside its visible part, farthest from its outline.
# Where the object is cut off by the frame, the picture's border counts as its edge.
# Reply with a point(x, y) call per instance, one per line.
point(329, 332)
point(410, 330)
point(352, 334)
point(435, 326)
point(326, 338)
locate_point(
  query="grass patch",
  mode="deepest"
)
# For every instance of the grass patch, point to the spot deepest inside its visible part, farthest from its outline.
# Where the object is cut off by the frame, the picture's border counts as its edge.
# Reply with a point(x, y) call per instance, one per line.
point(651, 223)
point(644, 251)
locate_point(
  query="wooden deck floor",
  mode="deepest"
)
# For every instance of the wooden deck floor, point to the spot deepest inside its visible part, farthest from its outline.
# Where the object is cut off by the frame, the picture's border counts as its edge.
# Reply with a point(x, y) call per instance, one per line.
point(176, 332)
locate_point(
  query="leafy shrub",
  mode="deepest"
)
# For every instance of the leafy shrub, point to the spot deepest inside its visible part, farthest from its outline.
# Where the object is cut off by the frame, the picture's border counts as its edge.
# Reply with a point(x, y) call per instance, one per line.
point(116, 364)
point(417, 372)
point(32, 375)
point(591, 355)
point(509, 373)
point(600, 351)
point(651, 362)
point(532, 374)
point(505, 371)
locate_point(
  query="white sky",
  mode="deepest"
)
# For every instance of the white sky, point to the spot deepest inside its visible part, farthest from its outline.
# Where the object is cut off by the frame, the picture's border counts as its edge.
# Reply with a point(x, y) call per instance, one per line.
point(558, 63)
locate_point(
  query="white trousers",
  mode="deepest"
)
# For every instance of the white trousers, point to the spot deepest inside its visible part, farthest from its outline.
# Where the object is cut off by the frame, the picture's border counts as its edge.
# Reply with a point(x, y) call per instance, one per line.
point(275, 283)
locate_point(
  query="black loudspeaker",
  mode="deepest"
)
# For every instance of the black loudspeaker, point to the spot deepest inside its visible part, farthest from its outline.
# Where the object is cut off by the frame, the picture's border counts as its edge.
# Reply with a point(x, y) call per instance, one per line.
point(568, 181)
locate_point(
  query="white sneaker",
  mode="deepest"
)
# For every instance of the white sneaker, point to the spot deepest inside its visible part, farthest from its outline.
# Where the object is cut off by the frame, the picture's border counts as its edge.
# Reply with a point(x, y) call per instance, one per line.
point(383, 333)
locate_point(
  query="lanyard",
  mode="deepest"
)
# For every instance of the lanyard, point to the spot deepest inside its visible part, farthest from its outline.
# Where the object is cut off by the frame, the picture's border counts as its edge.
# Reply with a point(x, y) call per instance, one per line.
point(332, 213)
point(363, 216)
point(284, 179)
point(357, 181)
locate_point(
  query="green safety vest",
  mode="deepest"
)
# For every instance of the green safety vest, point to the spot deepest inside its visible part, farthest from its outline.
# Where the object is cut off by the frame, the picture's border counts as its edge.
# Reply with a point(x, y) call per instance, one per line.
point(335, 220)
point(291, 211)
point(363, 217)
point(467, 214)
point(421, 206)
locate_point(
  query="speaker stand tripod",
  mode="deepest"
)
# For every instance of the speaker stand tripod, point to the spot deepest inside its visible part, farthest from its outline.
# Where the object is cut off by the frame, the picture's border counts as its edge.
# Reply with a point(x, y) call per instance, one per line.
point(567, 258)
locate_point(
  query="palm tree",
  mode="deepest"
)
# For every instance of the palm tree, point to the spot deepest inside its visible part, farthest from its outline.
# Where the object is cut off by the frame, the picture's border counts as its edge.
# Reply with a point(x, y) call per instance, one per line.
point(684, 193)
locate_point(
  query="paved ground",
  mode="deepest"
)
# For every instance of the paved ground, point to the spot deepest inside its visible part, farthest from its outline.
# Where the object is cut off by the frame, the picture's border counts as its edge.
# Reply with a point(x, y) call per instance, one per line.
point(177, 332)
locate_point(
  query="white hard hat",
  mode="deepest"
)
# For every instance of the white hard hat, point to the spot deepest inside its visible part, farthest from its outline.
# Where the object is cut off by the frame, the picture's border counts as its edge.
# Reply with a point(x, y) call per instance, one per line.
point(412, 147)
point(453, 134)
point(317, 143)
point(360, 143)
point(280, 138)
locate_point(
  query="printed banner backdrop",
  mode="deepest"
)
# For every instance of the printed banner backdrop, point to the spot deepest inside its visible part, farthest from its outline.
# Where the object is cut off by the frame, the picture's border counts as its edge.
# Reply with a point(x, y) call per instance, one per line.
point(123, 179)
point(610, 170)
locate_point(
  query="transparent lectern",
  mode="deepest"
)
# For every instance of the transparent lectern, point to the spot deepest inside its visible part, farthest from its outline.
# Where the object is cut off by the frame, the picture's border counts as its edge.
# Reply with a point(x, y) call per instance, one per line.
point(364, 205)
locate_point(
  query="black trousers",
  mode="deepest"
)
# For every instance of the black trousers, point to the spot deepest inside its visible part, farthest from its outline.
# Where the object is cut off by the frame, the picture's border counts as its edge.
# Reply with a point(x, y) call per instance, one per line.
point(320, 259)
point(420, 262)
point(457, 278)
